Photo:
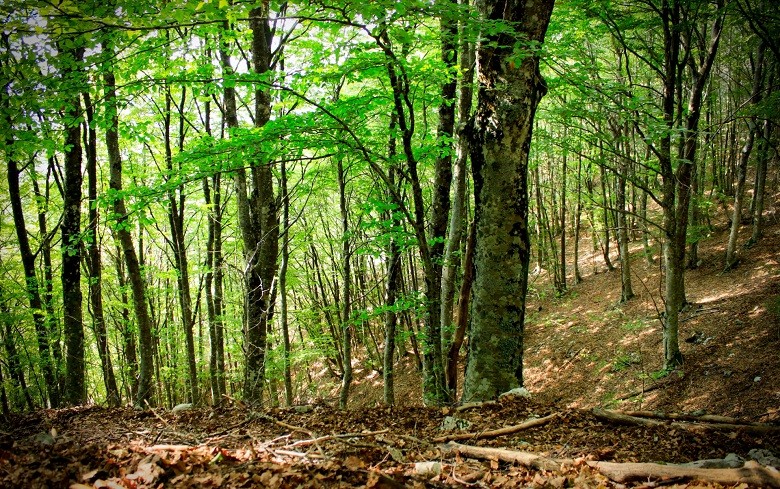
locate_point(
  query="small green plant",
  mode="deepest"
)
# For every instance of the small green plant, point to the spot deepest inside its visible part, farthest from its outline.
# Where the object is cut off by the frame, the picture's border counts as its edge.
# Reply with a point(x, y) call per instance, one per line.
point(609, 401)
point(624, 361)
point(634, 325)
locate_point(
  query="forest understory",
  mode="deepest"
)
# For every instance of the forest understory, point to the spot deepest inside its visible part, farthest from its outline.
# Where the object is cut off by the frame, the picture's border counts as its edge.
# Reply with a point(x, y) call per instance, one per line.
point(599, 413)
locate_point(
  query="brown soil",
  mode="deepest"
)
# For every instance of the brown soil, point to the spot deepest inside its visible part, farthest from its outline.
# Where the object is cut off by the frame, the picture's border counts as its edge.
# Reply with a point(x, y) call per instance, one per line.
point(583, 350)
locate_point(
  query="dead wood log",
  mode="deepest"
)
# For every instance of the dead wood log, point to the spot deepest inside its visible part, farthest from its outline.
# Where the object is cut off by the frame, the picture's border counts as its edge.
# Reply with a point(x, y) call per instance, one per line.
point(531, 423)
point(751, 473)
point(626, 419)
point(526, 459)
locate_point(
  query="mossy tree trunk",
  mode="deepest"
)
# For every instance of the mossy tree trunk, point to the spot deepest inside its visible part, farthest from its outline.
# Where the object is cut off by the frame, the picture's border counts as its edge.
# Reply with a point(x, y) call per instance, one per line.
point(509, 92)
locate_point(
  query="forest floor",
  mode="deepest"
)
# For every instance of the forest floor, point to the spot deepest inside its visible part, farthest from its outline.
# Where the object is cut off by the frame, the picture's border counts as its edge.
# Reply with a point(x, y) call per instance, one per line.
point(588, 359)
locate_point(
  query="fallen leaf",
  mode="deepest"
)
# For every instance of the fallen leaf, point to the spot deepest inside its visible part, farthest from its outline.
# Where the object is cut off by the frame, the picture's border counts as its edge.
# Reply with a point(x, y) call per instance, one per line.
point(354, 463)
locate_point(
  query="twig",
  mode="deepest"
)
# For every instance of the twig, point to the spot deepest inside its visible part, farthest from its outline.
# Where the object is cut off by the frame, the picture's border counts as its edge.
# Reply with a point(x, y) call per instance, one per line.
point(531, 423)
point(232, 427)
point(155, 413)
point(291, 453)
point(641, 391)
point(314, 441)
point(620, 418)
point(290, 427)
point(488, 453)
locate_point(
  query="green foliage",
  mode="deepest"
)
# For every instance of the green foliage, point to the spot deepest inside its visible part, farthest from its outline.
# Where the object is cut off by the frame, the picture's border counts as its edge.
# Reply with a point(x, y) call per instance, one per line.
point(634, 325)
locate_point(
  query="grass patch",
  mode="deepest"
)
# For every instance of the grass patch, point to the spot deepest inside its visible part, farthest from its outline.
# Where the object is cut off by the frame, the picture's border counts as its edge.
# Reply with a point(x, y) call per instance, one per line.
point(624, 361)
point(634, 325)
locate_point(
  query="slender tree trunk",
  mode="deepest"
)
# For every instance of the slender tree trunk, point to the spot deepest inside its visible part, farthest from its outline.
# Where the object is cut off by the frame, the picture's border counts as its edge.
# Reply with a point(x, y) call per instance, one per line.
point(288, 388)
point(258, 221)
point(626, 289)
point(577, 220)
point(346, 294)
point(121, 227)
point(605, 217)
point(434, 385)
point(394, 279)
point(676, 187)
point(463, 312)
point(508, 96)
point(562, 280)
point(177, 242)
point(744, 158)
point(94, 265)
point(73, 322)
point(758, 197)
point(457, 216)
point(130, 370)
point(52, 324)
point(14, 364)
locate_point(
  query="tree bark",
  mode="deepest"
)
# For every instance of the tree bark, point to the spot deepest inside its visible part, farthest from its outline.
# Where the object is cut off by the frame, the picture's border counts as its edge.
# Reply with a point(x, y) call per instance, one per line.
point(744, 158)
point(73, 321)
point(457, 215)
point(258, 221)
point(94, 265)
point(177, 242)
point(288, 387)
point(509, 93)
point(346, 293)
point(121, 228)
point(676, 186)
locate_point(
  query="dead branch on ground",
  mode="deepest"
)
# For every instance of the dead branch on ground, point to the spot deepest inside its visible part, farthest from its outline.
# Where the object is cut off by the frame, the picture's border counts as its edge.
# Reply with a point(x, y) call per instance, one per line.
point(531, 423)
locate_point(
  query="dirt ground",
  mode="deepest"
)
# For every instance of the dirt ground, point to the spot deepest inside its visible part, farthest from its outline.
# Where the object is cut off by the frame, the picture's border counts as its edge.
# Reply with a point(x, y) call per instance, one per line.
point(584, 350)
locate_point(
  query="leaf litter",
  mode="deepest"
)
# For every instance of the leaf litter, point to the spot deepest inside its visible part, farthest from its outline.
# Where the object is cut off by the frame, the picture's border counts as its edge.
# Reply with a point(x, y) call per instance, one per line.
point(380, 447)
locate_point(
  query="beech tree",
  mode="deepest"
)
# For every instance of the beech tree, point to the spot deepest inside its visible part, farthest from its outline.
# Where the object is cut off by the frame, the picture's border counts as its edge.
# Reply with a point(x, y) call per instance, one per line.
point(510, 87)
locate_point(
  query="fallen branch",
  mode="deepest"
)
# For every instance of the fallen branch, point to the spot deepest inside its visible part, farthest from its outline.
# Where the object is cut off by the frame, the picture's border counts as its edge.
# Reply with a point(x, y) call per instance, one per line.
point(314, 441)
point(531, 423)
point(642, 391)
point(627, 419)
point(526, 459)
point(232, 427)
point(290, 427)
point(751, 473)
point(706, 418)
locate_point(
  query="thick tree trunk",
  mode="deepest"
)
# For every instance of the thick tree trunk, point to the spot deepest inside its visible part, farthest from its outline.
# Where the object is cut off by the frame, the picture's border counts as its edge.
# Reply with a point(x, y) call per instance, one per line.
point(508, 96)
